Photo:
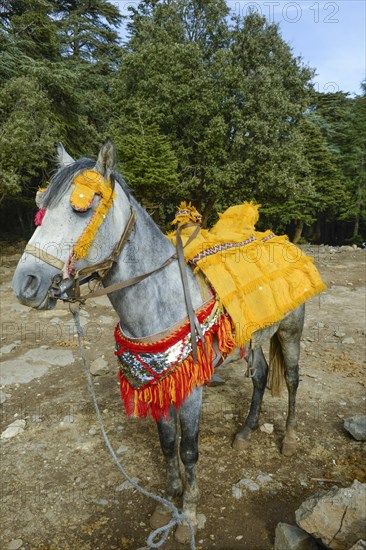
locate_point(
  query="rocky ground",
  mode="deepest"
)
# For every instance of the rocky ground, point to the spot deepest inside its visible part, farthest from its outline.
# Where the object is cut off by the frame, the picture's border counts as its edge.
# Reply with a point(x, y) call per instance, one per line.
point(60, 488)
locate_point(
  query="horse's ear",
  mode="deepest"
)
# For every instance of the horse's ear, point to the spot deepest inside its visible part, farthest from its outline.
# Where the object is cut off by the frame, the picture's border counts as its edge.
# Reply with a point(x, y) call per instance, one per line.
point(106, 159)
point(63, 158)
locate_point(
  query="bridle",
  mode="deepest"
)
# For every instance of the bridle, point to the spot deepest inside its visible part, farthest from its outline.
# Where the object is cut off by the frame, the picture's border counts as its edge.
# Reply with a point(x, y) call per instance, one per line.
point(86, 274)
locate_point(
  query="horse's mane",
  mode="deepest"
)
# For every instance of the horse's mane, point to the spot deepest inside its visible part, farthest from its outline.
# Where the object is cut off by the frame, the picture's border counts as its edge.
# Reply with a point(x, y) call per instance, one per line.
point(61, 181)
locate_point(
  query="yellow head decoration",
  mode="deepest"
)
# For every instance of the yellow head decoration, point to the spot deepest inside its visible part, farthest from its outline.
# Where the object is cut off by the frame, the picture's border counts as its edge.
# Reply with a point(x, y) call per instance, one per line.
point(87, 184)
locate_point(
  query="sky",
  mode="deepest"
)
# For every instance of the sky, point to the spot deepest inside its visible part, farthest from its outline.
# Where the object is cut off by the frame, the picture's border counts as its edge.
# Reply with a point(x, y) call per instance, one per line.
point(328, 35)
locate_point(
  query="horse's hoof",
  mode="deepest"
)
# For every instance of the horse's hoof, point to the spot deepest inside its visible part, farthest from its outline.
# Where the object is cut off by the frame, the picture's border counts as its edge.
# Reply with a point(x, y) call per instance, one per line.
point(183, 533)
point(160, 517)
point(240, 444)
point(288, 447)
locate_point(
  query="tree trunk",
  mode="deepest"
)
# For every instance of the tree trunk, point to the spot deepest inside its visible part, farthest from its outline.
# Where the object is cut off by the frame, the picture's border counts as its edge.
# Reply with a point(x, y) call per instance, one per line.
point(299, 226)
point(207, 210)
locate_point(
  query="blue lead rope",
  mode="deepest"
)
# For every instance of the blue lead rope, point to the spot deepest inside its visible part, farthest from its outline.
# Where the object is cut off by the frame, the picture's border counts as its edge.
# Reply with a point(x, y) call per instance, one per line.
point(178, 518)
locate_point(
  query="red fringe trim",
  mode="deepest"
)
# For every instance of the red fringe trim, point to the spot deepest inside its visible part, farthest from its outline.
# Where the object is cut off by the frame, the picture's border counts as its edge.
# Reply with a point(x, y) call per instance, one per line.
point(156, 399)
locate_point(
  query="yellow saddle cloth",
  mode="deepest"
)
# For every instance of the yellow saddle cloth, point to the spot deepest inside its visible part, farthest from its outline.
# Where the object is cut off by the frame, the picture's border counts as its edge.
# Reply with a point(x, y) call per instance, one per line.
point(257, 276)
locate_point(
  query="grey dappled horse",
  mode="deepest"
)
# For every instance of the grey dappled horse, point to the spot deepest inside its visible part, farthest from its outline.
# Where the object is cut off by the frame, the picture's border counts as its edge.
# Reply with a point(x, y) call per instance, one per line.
point(149, 307)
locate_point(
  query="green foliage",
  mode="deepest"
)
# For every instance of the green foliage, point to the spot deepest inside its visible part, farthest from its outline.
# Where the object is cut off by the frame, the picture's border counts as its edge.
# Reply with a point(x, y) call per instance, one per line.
point(149, 164)
point(201, 108)
point(46, 96)
point(29, 132)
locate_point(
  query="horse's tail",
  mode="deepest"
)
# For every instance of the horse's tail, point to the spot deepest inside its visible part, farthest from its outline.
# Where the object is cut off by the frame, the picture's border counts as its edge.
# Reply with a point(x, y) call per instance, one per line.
point(276, 366)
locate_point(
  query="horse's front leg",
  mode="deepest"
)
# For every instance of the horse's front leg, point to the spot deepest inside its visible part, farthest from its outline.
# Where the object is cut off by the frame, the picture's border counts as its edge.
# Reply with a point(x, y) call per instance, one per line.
point(190, 416)
point(168, 435)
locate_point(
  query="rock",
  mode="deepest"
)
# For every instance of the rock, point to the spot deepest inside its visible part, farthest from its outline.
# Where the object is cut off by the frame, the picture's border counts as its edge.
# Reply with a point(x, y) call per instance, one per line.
point(245, 483)
point(33, 364)
point(99, 367)
point(126, 485)
point(201, 521)
point(356, 426)
point(263, 479)
point(338, 518)
point(93, 431)
point(15, 428)
point(122, 449)
point(291, 537)
point(360, 545)
point(348, 340)
point(69, 419)
point(7, 349)
point(3, 397)
point(15, 544)
point(267, 428)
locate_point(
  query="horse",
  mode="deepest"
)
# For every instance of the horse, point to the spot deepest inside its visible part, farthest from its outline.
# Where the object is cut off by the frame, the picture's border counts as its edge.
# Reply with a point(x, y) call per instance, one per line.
point(148, 307)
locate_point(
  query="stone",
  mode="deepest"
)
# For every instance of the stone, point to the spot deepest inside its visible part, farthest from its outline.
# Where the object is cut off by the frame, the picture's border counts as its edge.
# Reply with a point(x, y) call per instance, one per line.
point(263, 479)
point(267, 428)
point(99, 367)
point(15, 428)
point(338, 517)
point(33, 364)
point(3, 397)
point(69, 419)
point(339, 334)
point(348, 340)
point(201, 521)
point(360, 545)
point(15, 544)
point(240, 486)
point(122, 449)
point(291, 537)
point(126, 485)
point(93, 431)
point(7, 349)
point(356, 426)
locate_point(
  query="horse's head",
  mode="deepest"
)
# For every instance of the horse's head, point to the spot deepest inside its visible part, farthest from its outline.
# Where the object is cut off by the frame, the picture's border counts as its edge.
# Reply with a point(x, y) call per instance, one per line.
point(81, 218)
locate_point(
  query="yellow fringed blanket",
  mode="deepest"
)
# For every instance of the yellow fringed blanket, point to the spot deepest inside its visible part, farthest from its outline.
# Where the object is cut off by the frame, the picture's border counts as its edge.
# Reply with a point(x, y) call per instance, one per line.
point(257, 276)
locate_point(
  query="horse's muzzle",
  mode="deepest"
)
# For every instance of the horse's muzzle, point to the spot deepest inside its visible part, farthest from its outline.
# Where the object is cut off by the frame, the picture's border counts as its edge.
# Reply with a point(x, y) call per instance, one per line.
point(31, 283)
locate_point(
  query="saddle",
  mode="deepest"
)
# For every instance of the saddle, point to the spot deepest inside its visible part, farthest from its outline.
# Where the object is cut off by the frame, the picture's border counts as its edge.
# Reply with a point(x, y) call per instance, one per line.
point(258, 277)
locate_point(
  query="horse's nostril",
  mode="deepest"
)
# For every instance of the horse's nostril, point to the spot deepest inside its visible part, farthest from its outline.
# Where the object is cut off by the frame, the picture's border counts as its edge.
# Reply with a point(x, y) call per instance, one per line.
point(31, 286)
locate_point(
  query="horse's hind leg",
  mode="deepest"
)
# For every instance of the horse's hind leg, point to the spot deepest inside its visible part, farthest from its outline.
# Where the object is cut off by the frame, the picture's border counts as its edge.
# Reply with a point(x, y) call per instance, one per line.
point(190, 415)
point(289, 334)
point(168, 435)
point(258, 365)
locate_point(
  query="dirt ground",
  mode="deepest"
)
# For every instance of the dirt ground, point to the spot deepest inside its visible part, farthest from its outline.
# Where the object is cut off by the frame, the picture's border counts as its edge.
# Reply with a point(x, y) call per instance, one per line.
point(60, 488)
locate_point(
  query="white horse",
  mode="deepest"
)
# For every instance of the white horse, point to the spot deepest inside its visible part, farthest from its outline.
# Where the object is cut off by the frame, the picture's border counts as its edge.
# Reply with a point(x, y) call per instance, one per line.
point(148, 307)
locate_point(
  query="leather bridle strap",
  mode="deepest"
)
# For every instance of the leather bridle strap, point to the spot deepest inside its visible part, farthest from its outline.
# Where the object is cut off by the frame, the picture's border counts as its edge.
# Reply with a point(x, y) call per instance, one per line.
point(193, 321)
point(134, 280)
point(44, 256)
point(103, 267)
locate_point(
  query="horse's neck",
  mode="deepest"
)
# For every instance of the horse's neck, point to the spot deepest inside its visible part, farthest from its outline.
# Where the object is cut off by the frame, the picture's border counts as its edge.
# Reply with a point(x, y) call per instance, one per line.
point(157, 302)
